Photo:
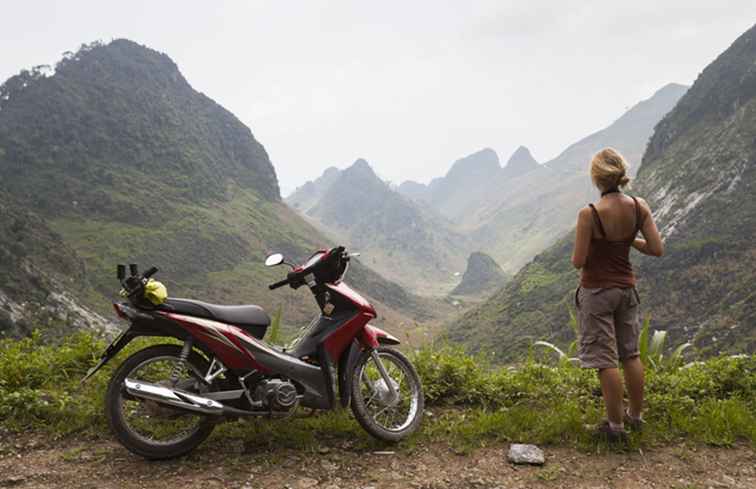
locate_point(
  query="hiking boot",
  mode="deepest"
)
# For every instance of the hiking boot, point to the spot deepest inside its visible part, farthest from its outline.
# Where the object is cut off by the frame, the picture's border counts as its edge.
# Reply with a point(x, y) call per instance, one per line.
point(634, 424)
point(605, 432)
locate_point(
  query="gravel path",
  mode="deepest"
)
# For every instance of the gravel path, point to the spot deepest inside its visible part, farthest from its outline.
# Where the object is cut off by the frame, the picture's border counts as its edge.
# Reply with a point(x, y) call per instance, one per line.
point(34, 462)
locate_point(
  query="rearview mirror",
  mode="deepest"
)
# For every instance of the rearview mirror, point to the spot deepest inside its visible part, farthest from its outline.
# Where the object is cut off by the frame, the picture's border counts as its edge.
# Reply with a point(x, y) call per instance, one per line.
point(274, 259)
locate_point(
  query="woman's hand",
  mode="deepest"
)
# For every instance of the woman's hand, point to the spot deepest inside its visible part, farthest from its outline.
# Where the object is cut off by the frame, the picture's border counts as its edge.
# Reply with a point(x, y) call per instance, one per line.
point(640, 245)
point(653, 244)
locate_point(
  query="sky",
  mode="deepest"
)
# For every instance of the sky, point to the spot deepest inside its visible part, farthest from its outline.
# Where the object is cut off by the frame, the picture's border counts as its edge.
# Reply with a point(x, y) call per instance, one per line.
point(409, 86)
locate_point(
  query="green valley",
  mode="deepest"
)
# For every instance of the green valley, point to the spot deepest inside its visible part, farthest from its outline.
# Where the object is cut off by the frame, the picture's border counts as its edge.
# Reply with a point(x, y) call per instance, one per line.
point(115, 158)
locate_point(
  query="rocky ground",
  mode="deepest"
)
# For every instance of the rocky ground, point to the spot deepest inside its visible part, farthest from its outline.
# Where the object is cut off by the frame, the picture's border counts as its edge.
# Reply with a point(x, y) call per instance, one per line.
point(32, 461)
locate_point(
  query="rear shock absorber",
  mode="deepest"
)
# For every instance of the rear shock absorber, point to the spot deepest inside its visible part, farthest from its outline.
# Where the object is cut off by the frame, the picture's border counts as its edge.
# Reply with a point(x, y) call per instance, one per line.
point(183, 357)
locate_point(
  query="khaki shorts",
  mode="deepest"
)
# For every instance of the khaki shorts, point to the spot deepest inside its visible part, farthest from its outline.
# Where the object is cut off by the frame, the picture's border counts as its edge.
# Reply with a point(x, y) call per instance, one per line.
point(609, 325)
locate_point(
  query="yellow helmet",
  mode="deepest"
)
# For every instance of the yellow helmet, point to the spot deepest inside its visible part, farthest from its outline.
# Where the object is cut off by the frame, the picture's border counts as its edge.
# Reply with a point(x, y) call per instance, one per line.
point(155, 292)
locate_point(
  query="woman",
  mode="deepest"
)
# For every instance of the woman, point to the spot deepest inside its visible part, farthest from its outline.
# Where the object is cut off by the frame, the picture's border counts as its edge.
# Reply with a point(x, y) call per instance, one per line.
point(606, 300)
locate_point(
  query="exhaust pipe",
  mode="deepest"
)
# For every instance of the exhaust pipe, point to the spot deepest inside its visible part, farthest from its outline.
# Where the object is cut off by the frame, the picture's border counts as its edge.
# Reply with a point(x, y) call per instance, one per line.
point(174, 397)
point(192, 402)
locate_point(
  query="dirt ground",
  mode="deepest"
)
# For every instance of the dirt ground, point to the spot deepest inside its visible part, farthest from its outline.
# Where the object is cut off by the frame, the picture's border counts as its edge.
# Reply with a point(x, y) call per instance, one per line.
point(35, 462)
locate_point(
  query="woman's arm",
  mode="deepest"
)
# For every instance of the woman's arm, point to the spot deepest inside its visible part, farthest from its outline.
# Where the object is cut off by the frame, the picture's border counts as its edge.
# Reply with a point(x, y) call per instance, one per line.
point(583, 233)
point(653, 244)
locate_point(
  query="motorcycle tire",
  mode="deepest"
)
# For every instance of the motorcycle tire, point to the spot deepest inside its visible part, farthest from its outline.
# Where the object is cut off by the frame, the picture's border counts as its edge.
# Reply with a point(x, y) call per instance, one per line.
point(358, 404)
point(114, 415)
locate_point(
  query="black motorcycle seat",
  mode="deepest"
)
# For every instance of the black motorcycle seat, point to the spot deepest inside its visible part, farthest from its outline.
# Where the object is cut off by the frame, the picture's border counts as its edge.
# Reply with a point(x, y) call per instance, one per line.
point(249, 317)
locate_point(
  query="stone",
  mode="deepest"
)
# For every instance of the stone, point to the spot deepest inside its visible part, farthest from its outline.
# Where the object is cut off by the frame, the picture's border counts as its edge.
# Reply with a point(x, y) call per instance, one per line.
point(306, 482)
point(13, 480)
point(525, 454)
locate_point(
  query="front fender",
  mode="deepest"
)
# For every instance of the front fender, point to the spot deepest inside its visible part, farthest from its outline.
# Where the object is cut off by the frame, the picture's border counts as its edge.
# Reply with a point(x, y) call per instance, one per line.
point(373, 337)
point(346, 367)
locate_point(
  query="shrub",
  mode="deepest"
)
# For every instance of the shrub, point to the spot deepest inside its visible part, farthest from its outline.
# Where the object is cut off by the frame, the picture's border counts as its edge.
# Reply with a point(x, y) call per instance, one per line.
point(472, 400)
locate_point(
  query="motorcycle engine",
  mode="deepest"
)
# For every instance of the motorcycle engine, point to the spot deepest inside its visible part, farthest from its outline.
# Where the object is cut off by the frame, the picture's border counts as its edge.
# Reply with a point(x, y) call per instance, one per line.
point(277, 394)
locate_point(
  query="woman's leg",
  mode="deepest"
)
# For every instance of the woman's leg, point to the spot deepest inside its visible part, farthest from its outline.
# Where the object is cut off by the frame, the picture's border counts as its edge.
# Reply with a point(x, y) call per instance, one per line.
point(634, 379)
point(598, 345)
point(627, 320)
point(611, 388)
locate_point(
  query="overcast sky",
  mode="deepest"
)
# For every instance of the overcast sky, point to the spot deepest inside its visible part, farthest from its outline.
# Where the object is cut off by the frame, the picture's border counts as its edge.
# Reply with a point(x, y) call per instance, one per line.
point(409, 85)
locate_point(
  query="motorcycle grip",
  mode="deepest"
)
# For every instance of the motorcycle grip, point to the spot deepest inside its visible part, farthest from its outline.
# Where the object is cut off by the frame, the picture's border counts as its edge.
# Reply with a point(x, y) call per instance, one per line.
point(149, 273)
point(278, 284)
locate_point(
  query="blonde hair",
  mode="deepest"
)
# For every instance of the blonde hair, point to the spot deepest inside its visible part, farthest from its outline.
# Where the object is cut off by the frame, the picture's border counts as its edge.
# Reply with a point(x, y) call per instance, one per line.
point(609, 169)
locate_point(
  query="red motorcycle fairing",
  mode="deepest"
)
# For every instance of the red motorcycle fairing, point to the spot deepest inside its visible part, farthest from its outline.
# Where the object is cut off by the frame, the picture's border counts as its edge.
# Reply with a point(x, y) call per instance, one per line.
point(242, 352)
point(355, 298)
point(336, 342)
point(221, 338)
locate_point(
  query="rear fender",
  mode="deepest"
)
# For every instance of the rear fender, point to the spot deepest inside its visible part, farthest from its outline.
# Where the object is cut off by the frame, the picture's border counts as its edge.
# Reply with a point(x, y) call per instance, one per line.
point(141, 324)
point(112, 350)
point(373, 337)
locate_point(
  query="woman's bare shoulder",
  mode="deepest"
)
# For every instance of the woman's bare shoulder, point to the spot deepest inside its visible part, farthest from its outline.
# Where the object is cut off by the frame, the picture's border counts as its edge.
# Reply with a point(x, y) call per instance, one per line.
point(642, 202)
point(644, 207)
point(585, 212)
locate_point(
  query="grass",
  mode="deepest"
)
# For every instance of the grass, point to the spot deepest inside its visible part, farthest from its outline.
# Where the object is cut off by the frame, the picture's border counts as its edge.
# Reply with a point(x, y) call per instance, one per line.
point(470, 403)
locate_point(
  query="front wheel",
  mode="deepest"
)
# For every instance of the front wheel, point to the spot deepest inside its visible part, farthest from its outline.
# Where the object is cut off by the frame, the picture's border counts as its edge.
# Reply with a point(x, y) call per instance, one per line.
point(387, 415)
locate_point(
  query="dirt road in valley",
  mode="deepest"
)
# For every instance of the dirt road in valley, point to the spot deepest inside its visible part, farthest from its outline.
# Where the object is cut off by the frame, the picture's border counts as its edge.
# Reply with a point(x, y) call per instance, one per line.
point(35, 462)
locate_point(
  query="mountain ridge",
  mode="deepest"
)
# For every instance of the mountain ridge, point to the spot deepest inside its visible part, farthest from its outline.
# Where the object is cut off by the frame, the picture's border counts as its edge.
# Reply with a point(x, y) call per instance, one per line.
point(404, 240)
point(701, 290)
point(114, 158)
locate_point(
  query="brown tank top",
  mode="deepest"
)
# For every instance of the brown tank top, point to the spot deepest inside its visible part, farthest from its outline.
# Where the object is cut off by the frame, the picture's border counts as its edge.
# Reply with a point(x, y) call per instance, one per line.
point(608, 263)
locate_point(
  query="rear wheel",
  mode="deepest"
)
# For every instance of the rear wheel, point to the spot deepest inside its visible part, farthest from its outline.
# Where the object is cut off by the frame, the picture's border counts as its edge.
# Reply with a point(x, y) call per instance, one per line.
point(150, 429)
point(383, 415)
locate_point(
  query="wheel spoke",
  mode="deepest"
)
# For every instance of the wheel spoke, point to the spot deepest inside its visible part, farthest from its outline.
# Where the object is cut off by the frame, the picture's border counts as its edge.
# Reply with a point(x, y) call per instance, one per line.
point(391, 413)
point(152, 421)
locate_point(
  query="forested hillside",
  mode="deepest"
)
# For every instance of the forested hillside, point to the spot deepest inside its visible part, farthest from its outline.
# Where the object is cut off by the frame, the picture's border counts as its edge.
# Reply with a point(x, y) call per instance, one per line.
point(115, 158)
point(405, 241)
point(699, 175)
point(482, 276)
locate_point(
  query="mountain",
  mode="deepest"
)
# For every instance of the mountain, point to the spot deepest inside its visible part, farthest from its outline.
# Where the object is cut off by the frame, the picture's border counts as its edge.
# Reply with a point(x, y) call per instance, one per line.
point(414, 190)
point(405, 241)
point(450, 195)
point(519, 163)
point(41, 277)
point(524, 214)
point(306, 196)
point(482, 275)
point(699, 175)
point(115, 158)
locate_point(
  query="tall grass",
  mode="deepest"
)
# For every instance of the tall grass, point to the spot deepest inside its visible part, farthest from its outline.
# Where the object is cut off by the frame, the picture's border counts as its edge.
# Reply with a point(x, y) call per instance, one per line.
point(472, 402)
point(652, 347)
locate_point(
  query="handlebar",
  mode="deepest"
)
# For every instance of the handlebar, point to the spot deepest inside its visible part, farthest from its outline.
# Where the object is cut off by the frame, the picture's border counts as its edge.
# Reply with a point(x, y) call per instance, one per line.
point(134, 284)
point(337, 257)
point(278, 284)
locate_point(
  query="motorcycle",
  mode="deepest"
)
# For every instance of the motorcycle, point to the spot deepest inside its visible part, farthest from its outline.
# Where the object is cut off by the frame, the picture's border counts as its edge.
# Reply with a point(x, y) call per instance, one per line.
point(164, 400)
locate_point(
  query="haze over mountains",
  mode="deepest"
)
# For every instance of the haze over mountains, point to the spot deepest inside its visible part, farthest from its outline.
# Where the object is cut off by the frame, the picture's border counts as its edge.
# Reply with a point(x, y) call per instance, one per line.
point(510, 212)
point(407, 242)
point(519, 217)
point(699, 176)
point(116, 159)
